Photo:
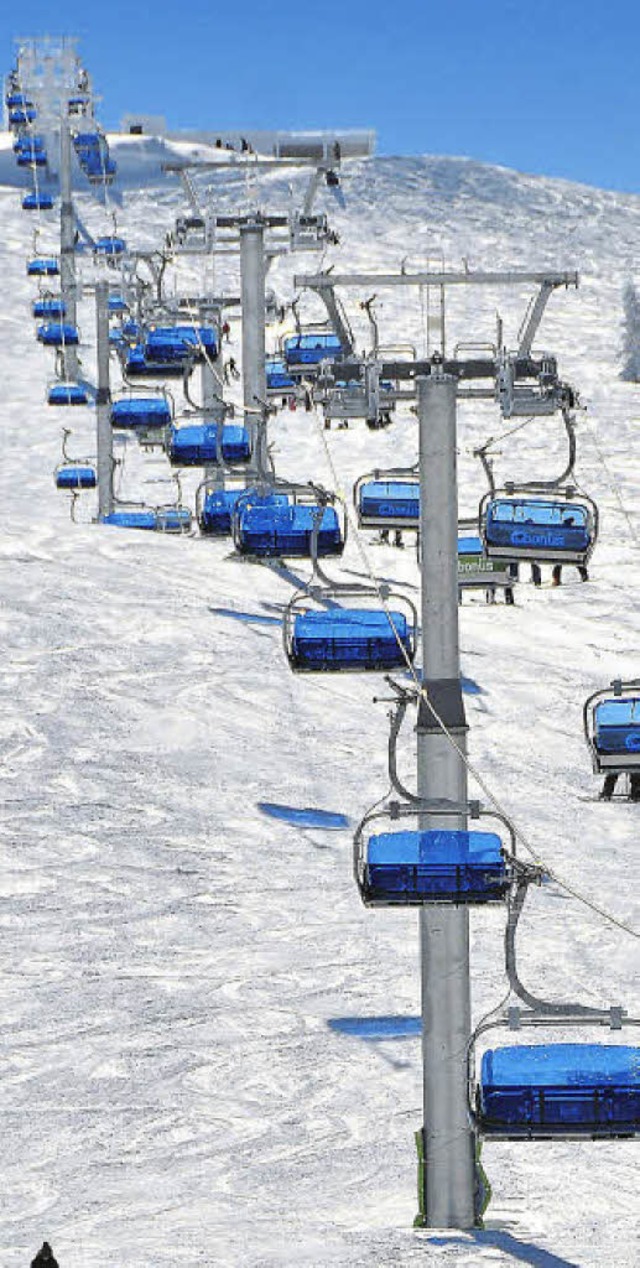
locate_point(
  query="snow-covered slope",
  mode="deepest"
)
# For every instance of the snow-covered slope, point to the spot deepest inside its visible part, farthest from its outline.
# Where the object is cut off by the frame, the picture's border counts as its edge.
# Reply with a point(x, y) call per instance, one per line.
point(172, 1092)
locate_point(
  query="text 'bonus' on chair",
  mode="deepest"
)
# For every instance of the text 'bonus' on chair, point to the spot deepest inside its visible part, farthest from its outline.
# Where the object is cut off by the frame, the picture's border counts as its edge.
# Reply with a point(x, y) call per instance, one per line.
point(475, 570)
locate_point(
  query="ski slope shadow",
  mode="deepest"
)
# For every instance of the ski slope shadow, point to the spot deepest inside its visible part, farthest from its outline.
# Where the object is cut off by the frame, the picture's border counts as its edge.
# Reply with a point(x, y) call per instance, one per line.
point(305, 816)
point(375, 1028)
point(498, 1239)
point(247, 618)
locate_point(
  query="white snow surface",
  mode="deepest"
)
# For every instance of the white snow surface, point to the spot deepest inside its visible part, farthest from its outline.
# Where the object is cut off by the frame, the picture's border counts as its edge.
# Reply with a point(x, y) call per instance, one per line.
point(171, 1091)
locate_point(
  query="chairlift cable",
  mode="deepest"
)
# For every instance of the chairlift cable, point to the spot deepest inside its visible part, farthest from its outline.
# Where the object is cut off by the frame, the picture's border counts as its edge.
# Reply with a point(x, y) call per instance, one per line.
point(613, 484)
point(483, 451)
point(495, 440)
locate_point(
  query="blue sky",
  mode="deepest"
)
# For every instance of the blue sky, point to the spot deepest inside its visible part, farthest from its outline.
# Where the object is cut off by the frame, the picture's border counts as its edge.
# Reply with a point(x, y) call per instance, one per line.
point(551, 86)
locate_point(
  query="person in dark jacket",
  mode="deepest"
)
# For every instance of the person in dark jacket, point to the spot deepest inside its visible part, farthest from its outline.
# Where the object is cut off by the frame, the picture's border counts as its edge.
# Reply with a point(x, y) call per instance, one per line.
point(45, 1258)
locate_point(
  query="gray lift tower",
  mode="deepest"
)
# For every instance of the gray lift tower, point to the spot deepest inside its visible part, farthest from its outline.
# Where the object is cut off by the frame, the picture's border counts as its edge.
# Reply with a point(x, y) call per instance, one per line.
point(260, 237)
point(449, 1197)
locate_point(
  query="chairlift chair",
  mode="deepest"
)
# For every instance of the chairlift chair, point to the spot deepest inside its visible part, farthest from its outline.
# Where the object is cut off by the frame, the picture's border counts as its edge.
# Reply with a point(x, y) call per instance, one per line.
point(176, 343)
point(110, 246)
point(568, 1091)
point(37, 200)
point(52, 306)
point(63, 392)
point(174, 519)
point(22, 116)
point(18, 101)
point(93, 156)
point(558, 527)
point(368, 397)
point(198, 444)
point(99, 170)
point(160, 519)
point(35, 158)
point(26, 141)
point(30, 151)
point(551, 1091)
point(347, 629)
point(123, 337)
point(439, 866)
point(116, 304)
point(56, 334)
point(141, 413)
point(304, 352)
point(78, 103)
point(42, 266)
point(288, 520)
point(279, 380)
point(611, 719)
point(86, 142)
point(388, 499)
point(136, 364)
point(343, 401)
point(74, 474)
point(215, 507)
point(144, 518)
point(170, 351)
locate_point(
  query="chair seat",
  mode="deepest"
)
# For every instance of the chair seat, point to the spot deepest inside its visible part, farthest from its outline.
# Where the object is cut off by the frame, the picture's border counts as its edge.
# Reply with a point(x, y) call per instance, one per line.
point(561, 1089)
point(350, 639)
point(435, 866)
point(76, 477)
point(272, 528)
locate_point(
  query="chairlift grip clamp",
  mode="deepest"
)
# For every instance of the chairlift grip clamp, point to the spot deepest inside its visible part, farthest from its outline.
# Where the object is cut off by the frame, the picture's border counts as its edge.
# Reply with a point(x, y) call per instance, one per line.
point(441, 705)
